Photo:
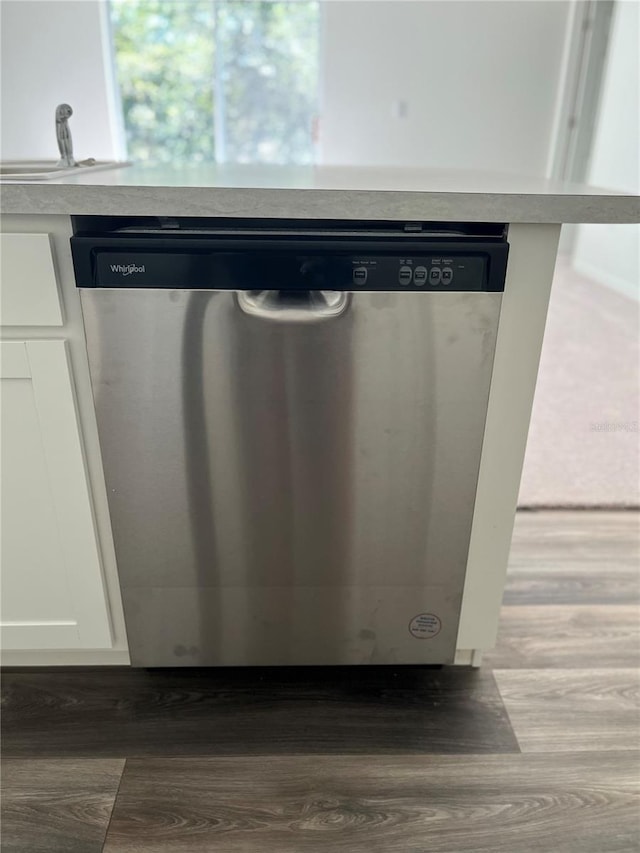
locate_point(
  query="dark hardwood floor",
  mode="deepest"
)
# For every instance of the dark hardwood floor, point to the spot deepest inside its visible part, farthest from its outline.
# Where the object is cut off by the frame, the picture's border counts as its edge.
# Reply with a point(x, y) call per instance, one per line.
point(62, 805)
point(537, 751)
point(565, 710)
point(567, 637)
point(333, 710)
point(515, 803)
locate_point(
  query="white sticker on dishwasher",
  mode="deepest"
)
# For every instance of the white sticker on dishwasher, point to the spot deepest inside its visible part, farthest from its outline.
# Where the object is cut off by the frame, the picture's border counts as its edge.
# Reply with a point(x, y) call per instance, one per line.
point(424, 626)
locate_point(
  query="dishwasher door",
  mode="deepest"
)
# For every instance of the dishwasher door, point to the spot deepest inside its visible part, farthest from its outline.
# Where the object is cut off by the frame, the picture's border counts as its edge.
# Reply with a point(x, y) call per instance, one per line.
point(288, 485)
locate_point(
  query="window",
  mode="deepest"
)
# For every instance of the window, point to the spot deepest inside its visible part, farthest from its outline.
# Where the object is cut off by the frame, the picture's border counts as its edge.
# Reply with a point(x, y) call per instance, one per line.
point(217, 80)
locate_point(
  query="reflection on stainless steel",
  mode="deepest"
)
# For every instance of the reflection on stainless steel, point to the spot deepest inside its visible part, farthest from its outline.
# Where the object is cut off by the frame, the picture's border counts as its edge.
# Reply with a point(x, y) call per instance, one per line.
point(290, 492)
point(308, 306)
point(198, 468)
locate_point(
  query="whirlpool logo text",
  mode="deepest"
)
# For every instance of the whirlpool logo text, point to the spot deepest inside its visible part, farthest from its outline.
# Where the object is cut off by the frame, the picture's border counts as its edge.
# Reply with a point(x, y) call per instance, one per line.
point(127, 269)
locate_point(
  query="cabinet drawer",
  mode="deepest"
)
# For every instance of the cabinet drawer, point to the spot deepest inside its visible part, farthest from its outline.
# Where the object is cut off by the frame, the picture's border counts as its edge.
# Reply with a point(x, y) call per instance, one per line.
point(30, 295)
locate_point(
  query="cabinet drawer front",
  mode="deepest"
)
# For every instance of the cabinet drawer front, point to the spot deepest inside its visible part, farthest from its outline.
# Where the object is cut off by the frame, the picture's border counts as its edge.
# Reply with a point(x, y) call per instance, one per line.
point(30, 295)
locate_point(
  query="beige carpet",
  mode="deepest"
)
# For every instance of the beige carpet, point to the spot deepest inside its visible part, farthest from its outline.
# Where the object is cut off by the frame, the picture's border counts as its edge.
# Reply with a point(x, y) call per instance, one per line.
point(583, 447)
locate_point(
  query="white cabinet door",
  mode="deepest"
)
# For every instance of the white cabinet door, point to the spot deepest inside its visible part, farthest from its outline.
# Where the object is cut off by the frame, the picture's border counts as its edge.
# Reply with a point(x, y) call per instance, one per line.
point(52, 589)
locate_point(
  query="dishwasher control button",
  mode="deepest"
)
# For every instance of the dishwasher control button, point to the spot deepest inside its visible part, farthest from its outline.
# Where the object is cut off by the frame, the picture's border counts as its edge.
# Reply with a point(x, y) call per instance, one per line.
point(405, 275)
point(434, 275)
point(360, 275)
point(420, 276)
point(447, 275)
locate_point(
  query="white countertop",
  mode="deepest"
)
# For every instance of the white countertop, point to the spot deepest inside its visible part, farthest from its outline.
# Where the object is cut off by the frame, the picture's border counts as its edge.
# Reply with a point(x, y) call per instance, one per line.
point(319, 193)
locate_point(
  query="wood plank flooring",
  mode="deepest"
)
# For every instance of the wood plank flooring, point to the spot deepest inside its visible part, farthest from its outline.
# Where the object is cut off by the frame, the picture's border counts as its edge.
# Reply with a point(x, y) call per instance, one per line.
point(515, 803)
point(249, 711)
point(539, 751)
point(567, 636)
point(584, 558)
point(565, 710)
point(62, 806)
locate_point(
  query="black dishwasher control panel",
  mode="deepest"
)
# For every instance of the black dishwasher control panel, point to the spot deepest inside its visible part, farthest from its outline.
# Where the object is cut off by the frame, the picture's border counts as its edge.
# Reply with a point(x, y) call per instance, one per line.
point(256, 263)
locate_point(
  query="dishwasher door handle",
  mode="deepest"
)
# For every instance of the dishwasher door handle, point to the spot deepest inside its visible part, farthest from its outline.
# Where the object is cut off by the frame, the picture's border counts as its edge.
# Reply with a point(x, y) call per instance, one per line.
point(281, 306)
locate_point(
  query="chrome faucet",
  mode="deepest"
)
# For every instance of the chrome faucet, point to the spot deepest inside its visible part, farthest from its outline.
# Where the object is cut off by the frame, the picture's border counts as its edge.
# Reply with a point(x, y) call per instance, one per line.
point(63, 135)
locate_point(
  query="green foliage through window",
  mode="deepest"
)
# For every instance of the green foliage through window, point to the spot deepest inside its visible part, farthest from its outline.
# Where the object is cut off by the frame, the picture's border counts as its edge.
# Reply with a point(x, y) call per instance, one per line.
point(217, 80)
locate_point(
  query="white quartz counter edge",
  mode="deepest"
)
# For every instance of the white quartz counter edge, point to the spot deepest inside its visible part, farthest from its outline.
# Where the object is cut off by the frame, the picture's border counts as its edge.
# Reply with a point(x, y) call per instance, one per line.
point(106, 200)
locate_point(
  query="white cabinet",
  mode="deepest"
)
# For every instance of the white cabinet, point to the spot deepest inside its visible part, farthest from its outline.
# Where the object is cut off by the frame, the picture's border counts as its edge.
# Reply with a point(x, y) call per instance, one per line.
point(29, 288)
point(60, 598)
point(52, 589)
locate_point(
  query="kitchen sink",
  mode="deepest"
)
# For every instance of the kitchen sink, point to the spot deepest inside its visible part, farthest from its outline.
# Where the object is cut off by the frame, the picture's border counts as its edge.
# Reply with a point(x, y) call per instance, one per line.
point(46, 170)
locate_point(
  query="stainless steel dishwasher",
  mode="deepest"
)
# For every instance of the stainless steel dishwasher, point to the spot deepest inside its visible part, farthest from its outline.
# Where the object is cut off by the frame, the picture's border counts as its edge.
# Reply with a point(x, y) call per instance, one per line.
point(291, 419)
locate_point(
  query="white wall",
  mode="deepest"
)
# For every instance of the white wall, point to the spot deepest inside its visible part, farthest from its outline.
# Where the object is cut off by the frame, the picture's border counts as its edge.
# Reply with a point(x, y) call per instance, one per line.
point(480, 81)
point(610, 253)
point(54, 51)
